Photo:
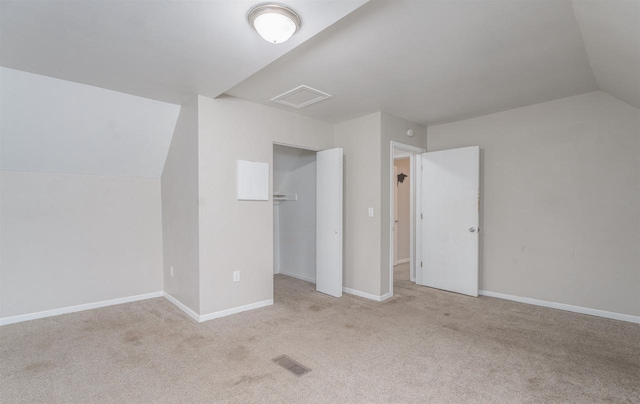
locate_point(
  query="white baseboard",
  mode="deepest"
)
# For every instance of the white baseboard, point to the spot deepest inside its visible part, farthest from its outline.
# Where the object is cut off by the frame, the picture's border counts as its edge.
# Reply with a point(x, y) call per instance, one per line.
point(561, 306)
point(366, 295)
point(228, 312)
point(80, 307)
point(223, 313)
point(402, 261)
point(386, 296)
point(182, 307)
point(293, 275)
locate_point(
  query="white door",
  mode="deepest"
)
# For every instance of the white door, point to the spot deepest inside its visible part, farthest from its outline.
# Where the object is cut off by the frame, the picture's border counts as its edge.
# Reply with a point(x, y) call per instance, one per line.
point(329, 222)
point(450, 203)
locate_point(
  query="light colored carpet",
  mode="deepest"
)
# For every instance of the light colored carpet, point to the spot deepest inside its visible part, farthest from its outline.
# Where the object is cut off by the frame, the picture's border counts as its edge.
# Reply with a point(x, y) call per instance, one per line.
point(423, 345)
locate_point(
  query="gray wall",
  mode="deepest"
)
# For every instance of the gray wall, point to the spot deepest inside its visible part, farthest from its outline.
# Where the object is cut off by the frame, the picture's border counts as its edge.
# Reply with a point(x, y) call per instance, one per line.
point(180, 210)
point(367, 146)
point(70, 239)
point(294, 172)
point(360, 139)
point(560, 200)
point(238, 235)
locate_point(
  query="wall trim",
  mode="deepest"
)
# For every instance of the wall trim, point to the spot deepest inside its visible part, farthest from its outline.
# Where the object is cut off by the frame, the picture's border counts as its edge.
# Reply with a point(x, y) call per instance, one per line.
point(366, 295)
point(301, 277)
point(239, 309)
point(182, 307)
point(105, 303)
point(80, 307)
point(562, 306)
point(386, 296)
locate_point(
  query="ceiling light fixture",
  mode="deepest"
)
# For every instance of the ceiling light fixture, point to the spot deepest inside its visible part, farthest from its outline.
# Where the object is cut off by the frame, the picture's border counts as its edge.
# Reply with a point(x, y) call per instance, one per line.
point(275, 23)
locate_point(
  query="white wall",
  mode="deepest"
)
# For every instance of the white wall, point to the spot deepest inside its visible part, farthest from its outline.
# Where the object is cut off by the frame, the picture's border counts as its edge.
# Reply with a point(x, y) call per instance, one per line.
point(238, 235)
point(560, 200)
point(403, 228)
point(180, 210)
point(294, 172)
point(74, 239)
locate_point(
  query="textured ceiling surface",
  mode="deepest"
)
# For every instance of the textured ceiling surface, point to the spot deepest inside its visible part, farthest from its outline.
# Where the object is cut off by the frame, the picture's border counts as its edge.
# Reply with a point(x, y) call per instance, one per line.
point(435, 61)
point(426, 61)
point(163, 50)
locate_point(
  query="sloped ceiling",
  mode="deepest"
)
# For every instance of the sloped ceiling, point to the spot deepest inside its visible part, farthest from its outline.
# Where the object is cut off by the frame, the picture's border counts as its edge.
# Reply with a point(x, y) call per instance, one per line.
point(439, 61)
point(52, 125)
point(163, 50)
point(426, 61)
point(611, 33)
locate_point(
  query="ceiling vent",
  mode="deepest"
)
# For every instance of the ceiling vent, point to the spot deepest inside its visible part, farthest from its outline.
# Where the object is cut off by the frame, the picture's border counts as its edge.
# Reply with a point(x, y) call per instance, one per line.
point(301, 97)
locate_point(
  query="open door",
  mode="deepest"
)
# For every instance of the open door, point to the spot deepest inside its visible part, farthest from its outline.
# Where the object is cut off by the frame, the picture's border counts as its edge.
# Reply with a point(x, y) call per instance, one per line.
point(450, 216)
point(329, 222)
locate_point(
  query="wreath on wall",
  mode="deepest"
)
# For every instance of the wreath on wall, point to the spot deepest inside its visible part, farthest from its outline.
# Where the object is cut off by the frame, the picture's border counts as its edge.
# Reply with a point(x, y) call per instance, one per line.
point(401, 178)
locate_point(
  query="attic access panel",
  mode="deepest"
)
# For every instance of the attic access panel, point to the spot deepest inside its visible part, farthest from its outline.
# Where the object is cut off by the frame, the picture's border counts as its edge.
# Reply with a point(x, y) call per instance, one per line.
point(252, 181)
point(301, 97)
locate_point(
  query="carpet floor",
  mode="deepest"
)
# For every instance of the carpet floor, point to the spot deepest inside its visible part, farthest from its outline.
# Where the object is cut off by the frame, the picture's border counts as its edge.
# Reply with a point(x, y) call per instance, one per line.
point(423, 345)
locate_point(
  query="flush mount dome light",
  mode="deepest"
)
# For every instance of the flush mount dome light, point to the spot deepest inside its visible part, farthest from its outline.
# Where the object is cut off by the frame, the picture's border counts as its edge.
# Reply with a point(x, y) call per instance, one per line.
point(274, 22)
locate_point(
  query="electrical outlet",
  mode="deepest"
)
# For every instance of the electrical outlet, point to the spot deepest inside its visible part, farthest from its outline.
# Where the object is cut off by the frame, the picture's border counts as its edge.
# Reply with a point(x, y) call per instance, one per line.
point(370, 212)
point(171, 271)
point(236, 276)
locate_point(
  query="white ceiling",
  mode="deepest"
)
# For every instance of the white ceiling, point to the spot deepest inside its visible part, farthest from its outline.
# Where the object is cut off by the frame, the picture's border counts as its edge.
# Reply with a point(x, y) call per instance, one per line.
point(426, 61)
point(52, 125)
point(163, 50)
point(611, 33)
point(438, 61)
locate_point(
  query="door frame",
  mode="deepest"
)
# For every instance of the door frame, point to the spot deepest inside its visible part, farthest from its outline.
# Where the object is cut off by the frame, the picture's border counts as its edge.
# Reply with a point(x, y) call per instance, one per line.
point(395, 216)
point(414, 152)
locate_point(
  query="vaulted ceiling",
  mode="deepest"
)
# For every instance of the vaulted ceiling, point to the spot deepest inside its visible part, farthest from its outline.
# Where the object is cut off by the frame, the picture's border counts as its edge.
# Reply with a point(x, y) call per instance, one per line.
point(426, 61)
point(439, 61)
point(611, 33)
point(163, 50)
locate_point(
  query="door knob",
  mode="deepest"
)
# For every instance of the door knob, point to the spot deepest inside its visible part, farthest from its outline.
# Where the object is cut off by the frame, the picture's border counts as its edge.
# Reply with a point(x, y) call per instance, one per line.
point(472, 229)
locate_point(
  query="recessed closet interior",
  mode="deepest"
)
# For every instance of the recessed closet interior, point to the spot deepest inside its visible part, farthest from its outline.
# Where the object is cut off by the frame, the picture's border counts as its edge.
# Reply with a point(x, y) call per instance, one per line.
point(294, 212)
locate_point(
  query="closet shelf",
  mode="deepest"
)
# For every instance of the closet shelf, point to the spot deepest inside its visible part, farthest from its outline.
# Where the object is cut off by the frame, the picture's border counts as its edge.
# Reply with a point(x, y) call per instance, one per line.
point(281, 197)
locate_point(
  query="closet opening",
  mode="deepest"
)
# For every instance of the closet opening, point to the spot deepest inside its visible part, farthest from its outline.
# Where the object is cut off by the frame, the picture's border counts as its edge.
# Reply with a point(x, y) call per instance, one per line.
point(294, 216)
point(307, 220)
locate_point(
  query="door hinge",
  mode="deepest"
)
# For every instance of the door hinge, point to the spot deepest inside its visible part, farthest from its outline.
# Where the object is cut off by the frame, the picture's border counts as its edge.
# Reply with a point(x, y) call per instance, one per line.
point(421, 217)
point(420, 264)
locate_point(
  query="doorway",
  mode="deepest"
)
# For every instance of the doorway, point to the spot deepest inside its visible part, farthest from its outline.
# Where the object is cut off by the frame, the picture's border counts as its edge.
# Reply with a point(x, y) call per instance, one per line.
point(402, 248)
